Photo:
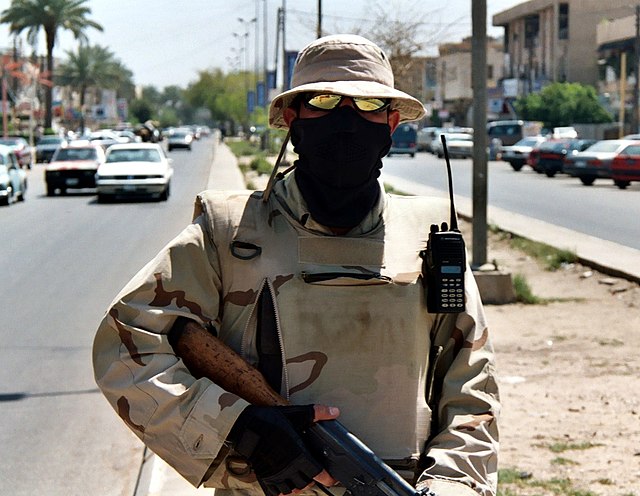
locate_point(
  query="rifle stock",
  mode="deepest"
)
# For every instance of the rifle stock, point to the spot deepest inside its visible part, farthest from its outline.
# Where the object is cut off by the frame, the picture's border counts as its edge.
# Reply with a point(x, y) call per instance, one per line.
point(343, 455)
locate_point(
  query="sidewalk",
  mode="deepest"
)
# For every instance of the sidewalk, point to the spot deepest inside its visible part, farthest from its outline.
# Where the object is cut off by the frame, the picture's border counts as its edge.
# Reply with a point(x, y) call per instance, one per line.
point(158, 479)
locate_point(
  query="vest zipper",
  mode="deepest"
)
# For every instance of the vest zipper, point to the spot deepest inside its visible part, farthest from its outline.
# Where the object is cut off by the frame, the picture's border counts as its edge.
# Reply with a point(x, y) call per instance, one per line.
point(285, 375)
point(252, 323)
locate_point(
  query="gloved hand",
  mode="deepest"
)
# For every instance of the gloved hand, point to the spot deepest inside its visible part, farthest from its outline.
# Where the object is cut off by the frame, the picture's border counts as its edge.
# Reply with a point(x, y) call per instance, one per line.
point(269, 438)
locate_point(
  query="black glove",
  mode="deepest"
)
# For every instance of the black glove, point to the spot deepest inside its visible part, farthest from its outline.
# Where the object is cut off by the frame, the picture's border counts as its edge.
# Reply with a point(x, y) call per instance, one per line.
point(269, 438)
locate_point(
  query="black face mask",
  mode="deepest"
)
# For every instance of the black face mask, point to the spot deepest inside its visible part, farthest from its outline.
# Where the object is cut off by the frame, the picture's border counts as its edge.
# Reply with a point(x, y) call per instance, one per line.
point(339, 164)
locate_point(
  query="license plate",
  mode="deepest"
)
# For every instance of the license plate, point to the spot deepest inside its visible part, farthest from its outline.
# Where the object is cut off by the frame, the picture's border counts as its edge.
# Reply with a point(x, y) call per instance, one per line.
point(72, 181)
point(128, 187)
point(580, 163)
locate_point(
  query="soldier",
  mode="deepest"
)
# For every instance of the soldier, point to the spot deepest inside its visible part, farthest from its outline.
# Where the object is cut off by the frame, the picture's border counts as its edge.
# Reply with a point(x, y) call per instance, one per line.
point(317, 281)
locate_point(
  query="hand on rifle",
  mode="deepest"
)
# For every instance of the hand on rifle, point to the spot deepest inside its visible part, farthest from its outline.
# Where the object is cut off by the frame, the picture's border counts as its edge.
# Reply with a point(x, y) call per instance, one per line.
point(270, 438)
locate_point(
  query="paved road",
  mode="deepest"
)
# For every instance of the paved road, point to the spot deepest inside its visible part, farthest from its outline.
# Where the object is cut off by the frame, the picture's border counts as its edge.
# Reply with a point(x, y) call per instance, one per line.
point(601, 210)
point(62, 260)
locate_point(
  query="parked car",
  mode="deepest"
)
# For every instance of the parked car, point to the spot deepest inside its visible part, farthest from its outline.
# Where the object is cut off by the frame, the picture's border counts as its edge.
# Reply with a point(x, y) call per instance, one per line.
point(13, 178)
point(180, 138)
point(595, 161)
point(21, 148)
point(459, 145)
point(518, 153)
point(426, 136)
point(404, 140)
point(553, 153)
point(625, 167)
point(73, 167)
point(134, 169)
point(46, 147)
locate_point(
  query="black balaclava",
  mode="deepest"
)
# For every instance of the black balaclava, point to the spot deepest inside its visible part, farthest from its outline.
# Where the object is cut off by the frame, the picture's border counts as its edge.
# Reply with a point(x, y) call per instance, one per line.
point(339, 164)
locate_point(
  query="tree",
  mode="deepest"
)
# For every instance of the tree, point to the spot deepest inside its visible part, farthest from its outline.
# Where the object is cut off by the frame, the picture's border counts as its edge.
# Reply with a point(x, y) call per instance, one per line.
point(91, 67)
point(50, 15)
point(563, 104)
point(404, 30)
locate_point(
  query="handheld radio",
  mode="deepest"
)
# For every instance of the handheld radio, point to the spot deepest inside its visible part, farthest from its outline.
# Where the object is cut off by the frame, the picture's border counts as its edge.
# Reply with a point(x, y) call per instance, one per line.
point(444, 260)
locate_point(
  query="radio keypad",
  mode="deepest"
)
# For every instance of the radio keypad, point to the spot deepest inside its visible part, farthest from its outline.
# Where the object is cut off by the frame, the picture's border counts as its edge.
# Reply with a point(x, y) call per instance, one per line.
point(452, 292)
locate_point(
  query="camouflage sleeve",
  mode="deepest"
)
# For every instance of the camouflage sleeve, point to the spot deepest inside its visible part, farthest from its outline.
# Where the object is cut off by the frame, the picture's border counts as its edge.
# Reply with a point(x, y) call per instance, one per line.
point(463, 448)
point(182, 419)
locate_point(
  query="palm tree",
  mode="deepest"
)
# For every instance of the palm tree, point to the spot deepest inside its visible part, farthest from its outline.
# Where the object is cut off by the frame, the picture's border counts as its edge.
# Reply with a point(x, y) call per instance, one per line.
point(92, 67)
point(50, 15)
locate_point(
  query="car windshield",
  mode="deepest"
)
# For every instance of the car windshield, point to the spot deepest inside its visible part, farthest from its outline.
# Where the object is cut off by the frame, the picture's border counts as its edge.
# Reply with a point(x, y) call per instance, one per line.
point(404, 131)
point(458, 137)
point(9, 142)
point(632, 150)
point(76, 154)
point(528, 142)
point(604, 146)
point(554, 146)
point(49, 140)
point(133, 155)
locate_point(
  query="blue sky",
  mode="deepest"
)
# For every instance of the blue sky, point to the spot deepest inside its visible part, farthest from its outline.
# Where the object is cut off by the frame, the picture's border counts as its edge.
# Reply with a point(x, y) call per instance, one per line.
point(167, 42)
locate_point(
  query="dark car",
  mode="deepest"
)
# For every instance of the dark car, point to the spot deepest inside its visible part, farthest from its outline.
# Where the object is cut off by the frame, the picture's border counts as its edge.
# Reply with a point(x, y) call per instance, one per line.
point(404, 140)
point(46, 146)
point(552, 154)
point(625, 167)
point(21, 148)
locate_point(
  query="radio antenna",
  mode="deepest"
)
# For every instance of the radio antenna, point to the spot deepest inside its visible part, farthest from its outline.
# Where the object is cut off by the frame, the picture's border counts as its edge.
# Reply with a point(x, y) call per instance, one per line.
point(454, 218)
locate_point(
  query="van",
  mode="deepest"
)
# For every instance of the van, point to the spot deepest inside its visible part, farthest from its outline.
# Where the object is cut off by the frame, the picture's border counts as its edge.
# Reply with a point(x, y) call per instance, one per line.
point(404, 140)
point(507, 133)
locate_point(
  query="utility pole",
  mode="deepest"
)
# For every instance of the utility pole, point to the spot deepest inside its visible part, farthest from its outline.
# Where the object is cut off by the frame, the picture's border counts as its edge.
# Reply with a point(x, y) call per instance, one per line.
point(319, 30)
point(284, 44)
point(479, 86)
point(635, 118)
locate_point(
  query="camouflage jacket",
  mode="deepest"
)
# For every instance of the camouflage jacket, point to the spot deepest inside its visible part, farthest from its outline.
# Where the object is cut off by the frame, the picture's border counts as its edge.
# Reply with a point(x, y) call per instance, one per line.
point(353, 328)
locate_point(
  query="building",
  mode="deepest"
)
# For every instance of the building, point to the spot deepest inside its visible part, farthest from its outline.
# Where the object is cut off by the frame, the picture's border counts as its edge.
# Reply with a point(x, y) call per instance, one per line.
point(454, 95)
point(617, 52)
point(550, 40)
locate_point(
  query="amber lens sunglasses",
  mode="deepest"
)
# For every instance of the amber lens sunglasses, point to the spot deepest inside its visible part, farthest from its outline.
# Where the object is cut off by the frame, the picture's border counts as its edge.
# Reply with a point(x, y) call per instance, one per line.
point(329, 101)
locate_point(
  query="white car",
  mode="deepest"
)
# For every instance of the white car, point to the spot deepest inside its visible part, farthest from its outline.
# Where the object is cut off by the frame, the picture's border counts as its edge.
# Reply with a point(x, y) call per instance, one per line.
point(518, 154)
point(73, 167)
point(459, 145)
point(135, 169)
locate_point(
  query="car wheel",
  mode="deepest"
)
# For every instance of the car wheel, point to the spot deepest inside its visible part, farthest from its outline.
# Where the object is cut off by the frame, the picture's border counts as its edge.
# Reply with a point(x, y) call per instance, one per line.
point(102, 198)
point(51, 191)
point(550, 173)
point(413, 155)
point(516, 167)
point(587, 180)
point(622, 184)
point(169, 148)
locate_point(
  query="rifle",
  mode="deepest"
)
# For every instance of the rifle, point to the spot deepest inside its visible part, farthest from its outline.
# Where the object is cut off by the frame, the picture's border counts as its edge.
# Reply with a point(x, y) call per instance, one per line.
point(342, 454)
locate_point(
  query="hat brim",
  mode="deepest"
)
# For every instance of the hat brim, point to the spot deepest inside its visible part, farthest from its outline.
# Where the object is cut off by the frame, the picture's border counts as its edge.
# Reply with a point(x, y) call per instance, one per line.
point(410, 108)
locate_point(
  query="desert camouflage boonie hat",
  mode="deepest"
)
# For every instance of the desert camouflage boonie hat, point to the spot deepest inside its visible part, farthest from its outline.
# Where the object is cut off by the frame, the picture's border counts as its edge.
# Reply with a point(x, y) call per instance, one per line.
point(344, 64)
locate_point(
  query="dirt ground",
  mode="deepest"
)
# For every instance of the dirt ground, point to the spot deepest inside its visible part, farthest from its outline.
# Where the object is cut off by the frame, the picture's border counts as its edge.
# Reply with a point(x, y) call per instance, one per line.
point(568, 373)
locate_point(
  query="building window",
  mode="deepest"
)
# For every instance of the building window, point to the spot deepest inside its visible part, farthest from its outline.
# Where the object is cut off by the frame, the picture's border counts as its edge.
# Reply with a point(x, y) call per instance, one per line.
point(489, 72)
point(563, 22)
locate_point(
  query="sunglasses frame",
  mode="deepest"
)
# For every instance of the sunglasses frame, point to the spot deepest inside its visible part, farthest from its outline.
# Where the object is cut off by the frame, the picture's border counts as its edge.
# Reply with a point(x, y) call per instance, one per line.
point(308, 96)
